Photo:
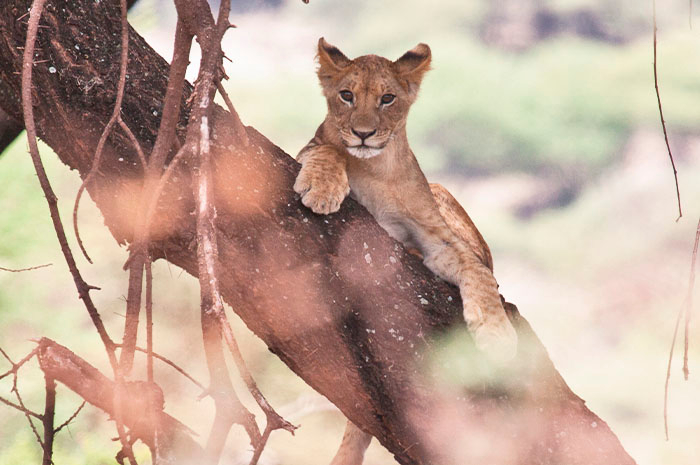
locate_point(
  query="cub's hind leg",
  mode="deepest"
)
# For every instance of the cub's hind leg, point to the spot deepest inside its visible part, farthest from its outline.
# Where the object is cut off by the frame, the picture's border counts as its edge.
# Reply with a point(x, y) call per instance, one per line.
point(352, 449)
point(322, 181)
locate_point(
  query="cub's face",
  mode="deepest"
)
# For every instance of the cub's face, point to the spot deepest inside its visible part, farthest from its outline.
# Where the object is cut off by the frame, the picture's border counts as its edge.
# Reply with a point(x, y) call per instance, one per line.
point(369, 97)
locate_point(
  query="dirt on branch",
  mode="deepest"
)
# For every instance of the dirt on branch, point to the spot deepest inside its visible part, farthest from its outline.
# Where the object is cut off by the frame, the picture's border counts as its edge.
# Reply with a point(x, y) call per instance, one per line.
point(341, 303)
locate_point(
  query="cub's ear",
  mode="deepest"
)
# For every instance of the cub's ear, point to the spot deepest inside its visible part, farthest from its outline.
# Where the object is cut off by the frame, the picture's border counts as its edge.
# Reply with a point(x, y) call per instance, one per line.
point(411, 67)
point(331, 61)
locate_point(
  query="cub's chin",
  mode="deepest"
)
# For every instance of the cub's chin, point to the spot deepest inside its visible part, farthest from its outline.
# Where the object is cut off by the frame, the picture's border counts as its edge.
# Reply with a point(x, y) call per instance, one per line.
point(364, 151)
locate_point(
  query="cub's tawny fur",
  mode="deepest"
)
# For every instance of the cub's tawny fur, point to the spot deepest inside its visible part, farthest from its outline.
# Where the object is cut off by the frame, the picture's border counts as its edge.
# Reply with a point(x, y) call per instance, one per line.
point(361, 148)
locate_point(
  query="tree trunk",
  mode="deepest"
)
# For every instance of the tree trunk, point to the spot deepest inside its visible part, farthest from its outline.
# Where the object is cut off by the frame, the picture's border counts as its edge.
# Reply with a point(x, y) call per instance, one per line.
point(342, 304)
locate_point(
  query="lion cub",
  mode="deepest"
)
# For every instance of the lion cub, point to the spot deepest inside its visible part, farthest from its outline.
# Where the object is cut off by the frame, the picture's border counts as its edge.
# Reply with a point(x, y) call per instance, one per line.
point(361, 148)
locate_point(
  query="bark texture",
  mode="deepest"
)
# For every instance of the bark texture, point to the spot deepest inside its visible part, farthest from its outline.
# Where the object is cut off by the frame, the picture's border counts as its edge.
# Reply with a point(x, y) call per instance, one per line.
point(341, 303)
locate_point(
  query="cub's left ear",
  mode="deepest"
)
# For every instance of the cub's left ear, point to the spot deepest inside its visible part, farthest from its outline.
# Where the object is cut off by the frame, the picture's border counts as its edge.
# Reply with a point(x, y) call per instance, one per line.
point(411, 67)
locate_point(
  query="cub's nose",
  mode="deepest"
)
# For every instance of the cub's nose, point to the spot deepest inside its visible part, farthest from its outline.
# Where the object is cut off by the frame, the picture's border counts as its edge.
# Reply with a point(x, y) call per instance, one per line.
point(364, 134)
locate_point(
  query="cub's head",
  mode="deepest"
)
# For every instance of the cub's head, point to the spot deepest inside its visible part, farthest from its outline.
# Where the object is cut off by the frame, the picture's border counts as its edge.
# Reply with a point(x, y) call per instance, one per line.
point(369, 97)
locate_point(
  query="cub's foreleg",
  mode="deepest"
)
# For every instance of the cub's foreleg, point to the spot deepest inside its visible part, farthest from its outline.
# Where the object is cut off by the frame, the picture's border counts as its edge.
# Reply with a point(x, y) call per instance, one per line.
point(458, 254)
point(323, 180)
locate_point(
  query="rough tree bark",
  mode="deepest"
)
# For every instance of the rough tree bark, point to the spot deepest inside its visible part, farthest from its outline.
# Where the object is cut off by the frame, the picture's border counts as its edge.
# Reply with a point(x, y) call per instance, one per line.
point(342, 304)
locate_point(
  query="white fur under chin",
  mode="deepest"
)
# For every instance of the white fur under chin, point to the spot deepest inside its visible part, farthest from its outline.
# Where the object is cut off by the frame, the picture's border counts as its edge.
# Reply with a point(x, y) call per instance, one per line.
point(364, 152)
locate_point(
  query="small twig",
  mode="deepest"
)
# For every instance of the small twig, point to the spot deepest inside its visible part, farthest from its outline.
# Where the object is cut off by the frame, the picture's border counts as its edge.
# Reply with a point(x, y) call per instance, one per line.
point(7, 357)
point(20, 270)
point(18, 365)
point(238, 126)
point(70, 419)
point(26, 411)
point(176, 367)
point(663, 122)
point(685, 308)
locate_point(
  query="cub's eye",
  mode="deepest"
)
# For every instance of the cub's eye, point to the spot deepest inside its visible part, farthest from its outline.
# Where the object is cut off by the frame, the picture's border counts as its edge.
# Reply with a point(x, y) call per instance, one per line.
point(346, 95)
point(387, 98)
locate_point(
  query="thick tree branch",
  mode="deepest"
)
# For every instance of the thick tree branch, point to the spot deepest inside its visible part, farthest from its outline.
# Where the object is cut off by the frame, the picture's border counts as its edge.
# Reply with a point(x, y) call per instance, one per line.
point(343, 305)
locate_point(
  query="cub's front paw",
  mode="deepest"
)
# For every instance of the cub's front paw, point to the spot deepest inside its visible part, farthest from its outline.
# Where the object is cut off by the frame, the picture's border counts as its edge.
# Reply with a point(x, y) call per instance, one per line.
point(499, 342)
point(493, 333)
point(322, 194)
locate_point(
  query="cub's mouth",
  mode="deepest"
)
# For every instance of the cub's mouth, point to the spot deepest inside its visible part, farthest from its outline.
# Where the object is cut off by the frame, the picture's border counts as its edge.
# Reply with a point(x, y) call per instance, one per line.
point(364, 151)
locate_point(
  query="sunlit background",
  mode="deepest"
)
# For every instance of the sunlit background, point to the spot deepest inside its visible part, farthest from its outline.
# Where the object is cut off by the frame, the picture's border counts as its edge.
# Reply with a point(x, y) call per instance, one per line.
point(540, 116)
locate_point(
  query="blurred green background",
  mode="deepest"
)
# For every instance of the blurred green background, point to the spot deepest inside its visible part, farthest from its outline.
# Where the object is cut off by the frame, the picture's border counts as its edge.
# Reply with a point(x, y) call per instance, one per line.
point(540, 116)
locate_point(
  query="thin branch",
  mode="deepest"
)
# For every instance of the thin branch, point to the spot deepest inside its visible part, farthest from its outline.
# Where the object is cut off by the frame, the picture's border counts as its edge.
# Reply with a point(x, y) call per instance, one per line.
point(108, 128)
point(134, 142)
point(20, 270)
point(149, 320)
point(49, 415)
point(28, 114)
point(663, 122)
point(685, 308)
point(176, 367)
point(689, 301)
point(152, 187)
point(24, 410)
point(261, 445)
point(70, 419)
point(173, 97)
point(137, 256)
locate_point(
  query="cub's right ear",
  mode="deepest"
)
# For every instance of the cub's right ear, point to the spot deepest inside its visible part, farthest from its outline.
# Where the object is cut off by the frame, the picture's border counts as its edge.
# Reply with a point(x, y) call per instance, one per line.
point(411, 67)
point(331, 61)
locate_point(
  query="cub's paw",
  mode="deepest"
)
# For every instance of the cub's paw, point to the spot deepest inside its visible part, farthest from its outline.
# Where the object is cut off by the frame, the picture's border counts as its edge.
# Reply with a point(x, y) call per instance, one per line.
point(498, 342)
point(322, 194)
point(494, 335)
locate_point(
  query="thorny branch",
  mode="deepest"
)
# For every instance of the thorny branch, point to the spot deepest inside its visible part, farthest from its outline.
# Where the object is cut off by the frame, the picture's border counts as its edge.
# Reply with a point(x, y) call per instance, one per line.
point(663, 122)
point(229, 409)
point(70, 418)
point(28, 113)
point(209, 35)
